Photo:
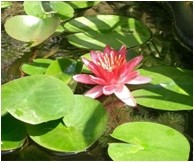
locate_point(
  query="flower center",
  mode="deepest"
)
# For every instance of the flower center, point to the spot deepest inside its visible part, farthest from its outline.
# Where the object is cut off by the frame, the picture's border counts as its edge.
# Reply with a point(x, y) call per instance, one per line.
point(110, 61)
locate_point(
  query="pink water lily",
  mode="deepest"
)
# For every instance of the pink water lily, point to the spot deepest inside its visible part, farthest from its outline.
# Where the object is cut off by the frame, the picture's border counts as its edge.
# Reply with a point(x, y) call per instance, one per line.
point(111, 73)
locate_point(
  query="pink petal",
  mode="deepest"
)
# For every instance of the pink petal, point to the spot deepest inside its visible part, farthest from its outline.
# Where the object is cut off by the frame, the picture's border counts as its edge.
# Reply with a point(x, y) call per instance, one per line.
point(126, 69)
point(123, 51)
point(97, 80)
point(93, 55)
point(92, 66)
point(107, 49)
point(140, 80)
point(83, 78)
point(134, 62)
point(123, 93)
point(130, 76)
point(115, 75)
point(96, 69)
point(113, 53)
point(122, 70)
point(94, 92)
point(108, 90)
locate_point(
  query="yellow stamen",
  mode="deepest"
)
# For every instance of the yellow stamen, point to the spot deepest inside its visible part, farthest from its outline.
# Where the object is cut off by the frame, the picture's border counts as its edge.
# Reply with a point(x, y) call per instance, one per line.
point(110, 61)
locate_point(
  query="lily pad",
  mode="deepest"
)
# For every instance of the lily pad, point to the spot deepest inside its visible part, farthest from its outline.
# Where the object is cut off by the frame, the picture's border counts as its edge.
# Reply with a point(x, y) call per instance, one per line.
point(63, 9)
point(97, 42)
point(97, 24)
point(82, 4)
point(38, 66)
point(34, 8)
point(37, 8)
point(78, 130)
point(5, 4)
point(148, 141)
point(13, 133)
point(36, 99)
point(97, 31)
point(30, 28)
point(63, 69)
point(170, 89)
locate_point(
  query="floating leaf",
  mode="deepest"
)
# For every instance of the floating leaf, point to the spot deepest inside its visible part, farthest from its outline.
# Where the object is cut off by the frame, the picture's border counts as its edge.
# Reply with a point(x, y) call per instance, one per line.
point(82, 4)
point(6, 4)
point(36, 99)
point(34, 8)
point(64, 10)
point(59, 29)
point(38, 66)
point(98, 42)
point(63, 69)
point(148, 141)
point(3, 111)
point(13, 133)
point(31, 29)
point(96, 24)
point(39, 9)
point(79, 130)
point(97, 31)
point(170, 89)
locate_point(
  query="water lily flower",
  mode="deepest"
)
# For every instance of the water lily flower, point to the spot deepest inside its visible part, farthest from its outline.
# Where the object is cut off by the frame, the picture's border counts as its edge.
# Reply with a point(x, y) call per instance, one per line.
point(111, 73)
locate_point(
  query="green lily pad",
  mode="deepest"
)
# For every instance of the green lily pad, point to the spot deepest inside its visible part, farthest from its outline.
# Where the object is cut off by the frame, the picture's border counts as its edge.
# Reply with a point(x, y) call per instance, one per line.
point(170, 89)
point(148, 141)
point(78, 130)
point(64, 69)
point(13, 133)
point(36, 99)
point(97, 42)
point(30, 28)
point(6, 4)
point(97, 31)
point(82, 4)
point(34, 8)
point(37, 8)
point(63, 9)
point(96, 24)
point(38, 66)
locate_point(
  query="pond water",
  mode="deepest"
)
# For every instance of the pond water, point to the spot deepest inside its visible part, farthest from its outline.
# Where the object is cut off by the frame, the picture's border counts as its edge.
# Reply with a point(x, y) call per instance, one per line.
point(174, 48)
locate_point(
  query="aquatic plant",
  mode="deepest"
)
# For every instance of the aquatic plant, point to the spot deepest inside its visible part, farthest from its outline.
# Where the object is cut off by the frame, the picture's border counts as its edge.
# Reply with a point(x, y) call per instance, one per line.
point(111, 73)
point(45, 108)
